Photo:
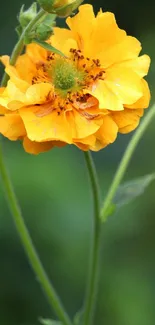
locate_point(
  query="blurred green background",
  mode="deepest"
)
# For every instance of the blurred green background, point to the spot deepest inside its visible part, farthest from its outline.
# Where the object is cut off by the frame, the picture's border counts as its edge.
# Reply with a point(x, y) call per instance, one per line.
point(53, 190)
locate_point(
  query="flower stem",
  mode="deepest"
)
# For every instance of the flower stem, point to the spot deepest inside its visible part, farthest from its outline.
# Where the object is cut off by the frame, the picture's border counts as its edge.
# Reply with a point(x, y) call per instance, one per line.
point(29, 247)
point(90, 300)
point(125, 161)
point(20, 44)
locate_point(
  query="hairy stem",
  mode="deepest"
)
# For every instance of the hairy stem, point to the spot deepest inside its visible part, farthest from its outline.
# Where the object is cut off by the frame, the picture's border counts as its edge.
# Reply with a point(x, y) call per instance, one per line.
point(29, 247)
point(90, 300)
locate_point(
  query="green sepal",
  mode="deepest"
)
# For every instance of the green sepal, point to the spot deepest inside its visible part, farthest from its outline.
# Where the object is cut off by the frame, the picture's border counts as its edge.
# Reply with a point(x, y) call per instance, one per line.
point(19, 30)
point(68, 9)
point(43, 32)
point(48, 47)
point(25, 16)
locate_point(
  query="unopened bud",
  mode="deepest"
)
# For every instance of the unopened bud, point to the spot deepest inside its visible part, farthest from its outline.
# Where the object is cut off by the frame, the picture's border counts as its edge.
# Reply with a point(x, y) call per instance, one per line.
point(64, 8)
point(26, 16)
point(47, 5)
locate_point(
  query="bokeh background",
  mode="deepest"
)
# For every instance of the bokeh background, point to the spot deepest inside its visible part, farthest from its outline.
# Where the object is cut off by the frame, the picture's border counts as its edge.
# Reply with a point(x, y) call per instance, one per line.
point(53, 190)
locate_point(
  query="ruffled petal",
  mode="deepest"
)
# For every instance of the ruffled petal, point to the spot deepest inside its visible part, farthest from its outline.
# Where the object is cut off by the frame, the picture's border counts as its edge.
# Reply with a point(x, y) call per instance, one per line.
point(80, 126)
point(36, 52)
point(37, 147)
point(26, 68)
point(12, 127)
point(128, 49)
point(139, 65)
point(63, 40)
point(15, 98)
point(125, 84)
point(53, 126)
point(144, 101)
point(106, 134)
point(106, 97)
point(81, 26)
point(128, 119)
point(5, 59)
point(111, 34)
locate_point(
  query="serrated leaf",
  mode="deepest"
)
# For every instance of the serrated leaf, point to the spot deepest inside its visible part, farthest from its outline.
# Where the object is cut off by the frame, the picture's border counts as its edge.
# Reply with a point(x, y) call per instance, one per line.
point(49, 322)
point(132, 189)
point(48, 47)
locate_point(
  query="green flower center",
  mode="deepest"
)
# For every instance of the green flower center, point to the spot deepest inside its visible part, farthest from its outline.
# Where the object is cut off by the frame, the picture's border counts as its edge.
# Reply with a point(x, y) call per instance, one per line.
point(65, 76)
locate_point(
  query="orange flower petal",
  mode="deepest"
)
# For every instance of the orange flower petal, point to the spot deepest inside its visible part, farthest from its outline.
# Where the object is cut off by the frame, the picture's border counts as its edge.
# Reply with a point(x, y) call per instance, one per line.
point(80, 126)
point(107, 99)
point(63, 40)
point(127, 49)
point(35, 94)
point(125, 84)
point(12, 127)
point(81, 26)
point(25, 67)
point(36, 53)
point(107, 133)
point(143, 102)
point(128, 119)
point(37, 147)
point(46, 128)
point(140, 65)
point(5, 59)
point(109, 37)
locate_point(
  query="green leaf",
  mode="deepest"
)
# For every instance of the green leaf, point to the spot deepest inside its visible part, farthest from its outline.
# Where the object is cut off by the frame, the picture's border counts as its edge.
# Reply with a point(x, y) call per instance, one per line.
point(78, 318)
point(48, 47)
point(132, 189)
point(127, 192)
point(49, 322)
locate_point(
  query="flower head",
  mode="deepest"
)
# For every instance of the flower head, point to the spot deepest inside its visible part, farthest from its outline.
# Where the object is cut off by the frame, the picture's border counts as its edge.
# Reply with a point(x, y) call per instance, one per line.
point(84, 98)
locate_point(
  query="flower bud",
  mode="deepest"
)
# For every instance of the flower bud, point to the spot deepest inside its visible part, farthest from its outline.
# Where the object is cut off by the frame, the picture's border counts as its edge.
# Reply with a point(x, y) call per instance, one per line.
point(64, 8)
point(26, 16)
point(47, 5)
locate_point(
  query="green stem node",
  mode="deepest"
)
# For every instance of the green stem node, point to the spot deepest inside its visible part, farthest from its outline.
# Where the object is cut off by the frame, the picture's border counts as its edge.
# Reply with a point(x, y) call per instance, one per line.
point(125, 161)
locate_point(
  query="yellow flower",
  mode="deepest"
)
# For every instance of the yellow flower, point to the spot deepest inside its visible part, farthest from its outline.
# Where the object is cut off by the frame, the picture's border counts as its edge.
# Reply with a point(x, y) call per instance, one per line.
point(84, 98)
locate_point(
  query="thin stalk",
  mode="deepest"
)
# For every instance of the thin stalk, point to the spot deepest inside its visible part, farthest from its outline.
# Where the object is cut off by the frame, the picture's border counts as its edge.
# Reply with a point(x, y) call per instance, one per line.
point(29, 247)
point(125, 161)
point(20, 44)
point(91, 292)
